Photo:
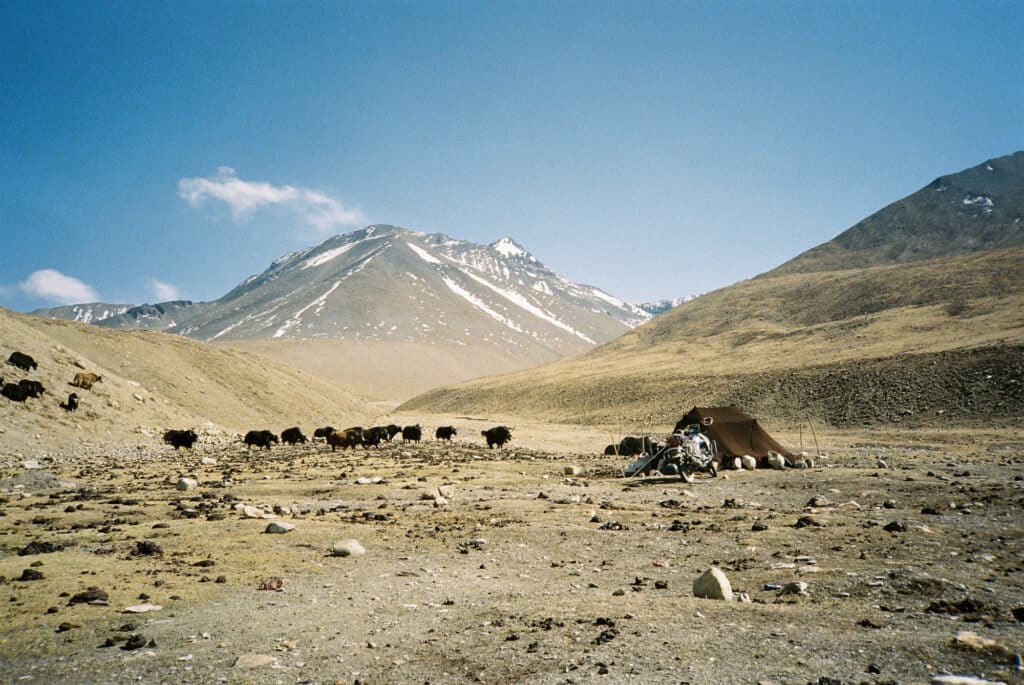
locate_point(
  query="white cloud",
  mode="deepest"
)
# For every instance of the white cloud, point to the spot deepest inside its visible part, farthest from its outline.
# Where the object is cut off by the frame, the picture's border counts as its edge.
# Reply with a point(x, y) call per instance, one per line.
point(52, 285)
point(320, 211)
point(163, 292)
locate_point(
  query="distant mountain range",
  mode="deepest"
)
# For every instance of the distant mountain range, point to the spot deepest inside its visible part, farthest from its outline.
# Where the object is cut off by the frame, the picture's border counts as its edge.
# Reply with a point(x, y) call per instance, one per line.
point(386, 283)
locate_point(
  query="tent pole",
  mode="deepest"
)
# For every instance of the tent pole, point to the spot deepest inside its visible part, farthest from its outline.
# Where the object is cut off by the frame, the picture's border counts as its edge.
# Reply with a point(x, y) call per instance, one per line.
point(811, 426)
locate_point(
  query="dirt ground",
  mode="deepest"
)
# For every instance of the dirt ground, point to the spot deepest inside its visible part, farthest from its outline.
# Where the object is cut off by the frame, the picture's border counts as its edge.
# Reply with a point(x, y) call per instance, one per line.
point(544, 565)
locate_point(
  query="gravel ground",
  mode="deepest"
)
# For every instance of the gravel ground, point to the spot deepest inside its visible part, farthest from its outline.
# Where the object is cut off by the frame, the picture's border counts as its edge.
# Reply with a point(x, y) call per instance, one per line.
point(533, 566)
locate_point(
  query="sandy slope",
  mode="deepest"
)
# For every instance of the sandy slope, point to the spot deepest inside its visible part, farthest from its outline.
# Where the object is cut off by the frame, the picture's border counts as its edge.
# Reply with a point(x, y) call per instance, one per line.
point(151, 382)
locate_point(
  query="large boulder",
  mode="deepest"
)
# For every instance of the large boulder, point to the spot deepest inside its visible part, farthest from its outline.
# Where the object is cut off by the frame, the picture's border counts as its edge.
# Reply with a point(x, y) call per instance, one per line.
point(712, 584)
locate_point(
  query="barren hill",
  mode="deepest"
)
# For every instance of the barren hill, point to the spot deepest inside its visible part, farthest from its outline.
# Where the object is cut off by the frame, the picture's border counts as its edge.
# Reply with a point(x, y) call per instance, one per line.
point(152, 382)
point(886, 337)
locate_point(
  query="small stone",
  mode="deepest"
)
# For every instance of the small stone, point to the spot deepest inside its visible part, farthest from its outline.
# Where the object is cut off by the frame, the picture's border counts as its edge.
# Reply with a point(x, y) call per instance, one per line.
point(440, 502)
point(136, 641)
point(280, 527)
point(142, 608)
point(571, 470)
point(255, 661)
point(363, 480)
point(187, 484)
point(881, 464)
point(819, 501)
point(31, 574)
point(759, 526)
point(221, 579)
point(89, 596)
point(797, 587)
point(713, 584)
point(889, 504)
point(252, 512)
point(748, 462)
point(65, 627)
point(805, 521)
point(895, 527)
point(208, 461)
point(776, 460)
point(147, 548)
point(30, 464)
point(348, 548)
point(446, 491)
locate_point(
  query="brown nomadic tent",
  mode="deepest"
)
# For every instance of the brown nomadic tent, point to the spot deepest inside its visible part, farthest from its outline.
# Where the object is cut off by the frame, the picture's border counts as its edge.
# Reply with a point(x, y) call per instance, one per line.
point(735, 432)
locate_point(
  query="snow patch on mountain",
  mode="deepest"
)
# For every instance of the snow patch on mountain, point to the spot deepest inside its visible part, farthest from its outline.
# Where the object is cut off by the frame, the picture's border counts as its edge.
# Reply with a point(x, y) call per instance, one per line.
point(298, 315)
point(423, 254)
point(520, 301)
point(327, 256)
point(479, 304)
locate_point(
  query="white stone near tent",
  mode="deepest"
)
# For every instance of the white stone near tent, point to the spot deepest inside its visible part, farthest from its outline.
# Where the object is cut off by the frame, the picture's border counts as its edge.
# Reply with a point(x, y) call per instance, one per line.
point(776, 460)
point(749, 463)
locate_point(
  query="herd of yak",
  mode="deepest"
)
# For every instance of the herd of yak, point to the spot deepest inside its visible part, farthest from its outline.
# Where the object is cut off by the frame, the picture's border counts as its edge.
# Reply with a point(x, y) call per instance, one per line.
point(26, 388)
point(349, 437)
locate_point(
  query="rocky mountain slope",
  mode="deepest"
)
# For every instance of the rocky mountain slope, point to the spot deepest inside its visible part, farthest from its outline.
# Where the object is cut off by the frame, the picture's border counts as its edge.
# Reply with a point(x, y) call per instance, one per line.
point(810, 337)
point(977, 209)
point(152, 382)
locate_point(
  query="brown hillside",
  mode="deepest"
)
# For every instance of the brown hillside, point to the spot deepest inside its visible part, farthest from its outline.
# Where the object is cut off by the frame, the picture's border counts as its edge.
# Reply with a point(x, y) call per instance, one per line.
point(852, 347)
point(152, 382)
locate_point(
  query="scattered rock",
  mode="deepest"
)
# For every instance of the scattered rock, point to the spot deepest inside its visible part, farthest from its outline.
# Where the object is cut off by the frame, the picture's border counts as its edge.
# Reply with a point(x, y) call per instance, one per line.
point(66, 626)
point(889, 504)
point(348, 548)
point(759, 526)
point(748, 462)
point(571, 471)
point(895, 527)
point(280, 527)
point(713, 584)
point(39, 548)
point(776, 460)
point(272, 584)
point(819, 501)
point(208, 461)
point(187, 484)
point(963, 680)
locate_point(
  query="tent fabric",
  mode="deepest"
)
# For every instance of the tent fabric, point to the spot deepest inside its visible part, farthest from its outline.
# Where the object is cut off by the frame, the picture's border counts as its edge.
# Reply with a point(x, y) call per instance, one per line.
point(736, 433)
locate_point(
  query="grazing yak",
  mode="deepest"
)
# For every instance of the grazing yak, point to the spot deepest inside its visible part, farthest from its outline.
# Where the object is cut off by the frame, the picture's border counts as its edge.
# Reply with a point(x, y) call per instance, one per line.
point(86, 379)
point(71, 404)
point(498, 435)
point(292, 436)
point(31, 388)
point(373, 436)
point(323, 432)
point(350, 437)
point(22, 361)
point(14, 392)
point(630, 446)
point(393, 430)
point(412, 433)
point(179, 438)
point(260, 439)
point(445, 433)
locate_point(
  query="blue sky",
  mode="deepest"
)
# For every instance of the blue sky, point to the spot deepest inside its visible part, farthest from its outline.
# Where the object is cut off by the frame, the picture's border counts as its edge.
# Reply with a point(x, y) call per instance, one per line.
point(653, 149)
